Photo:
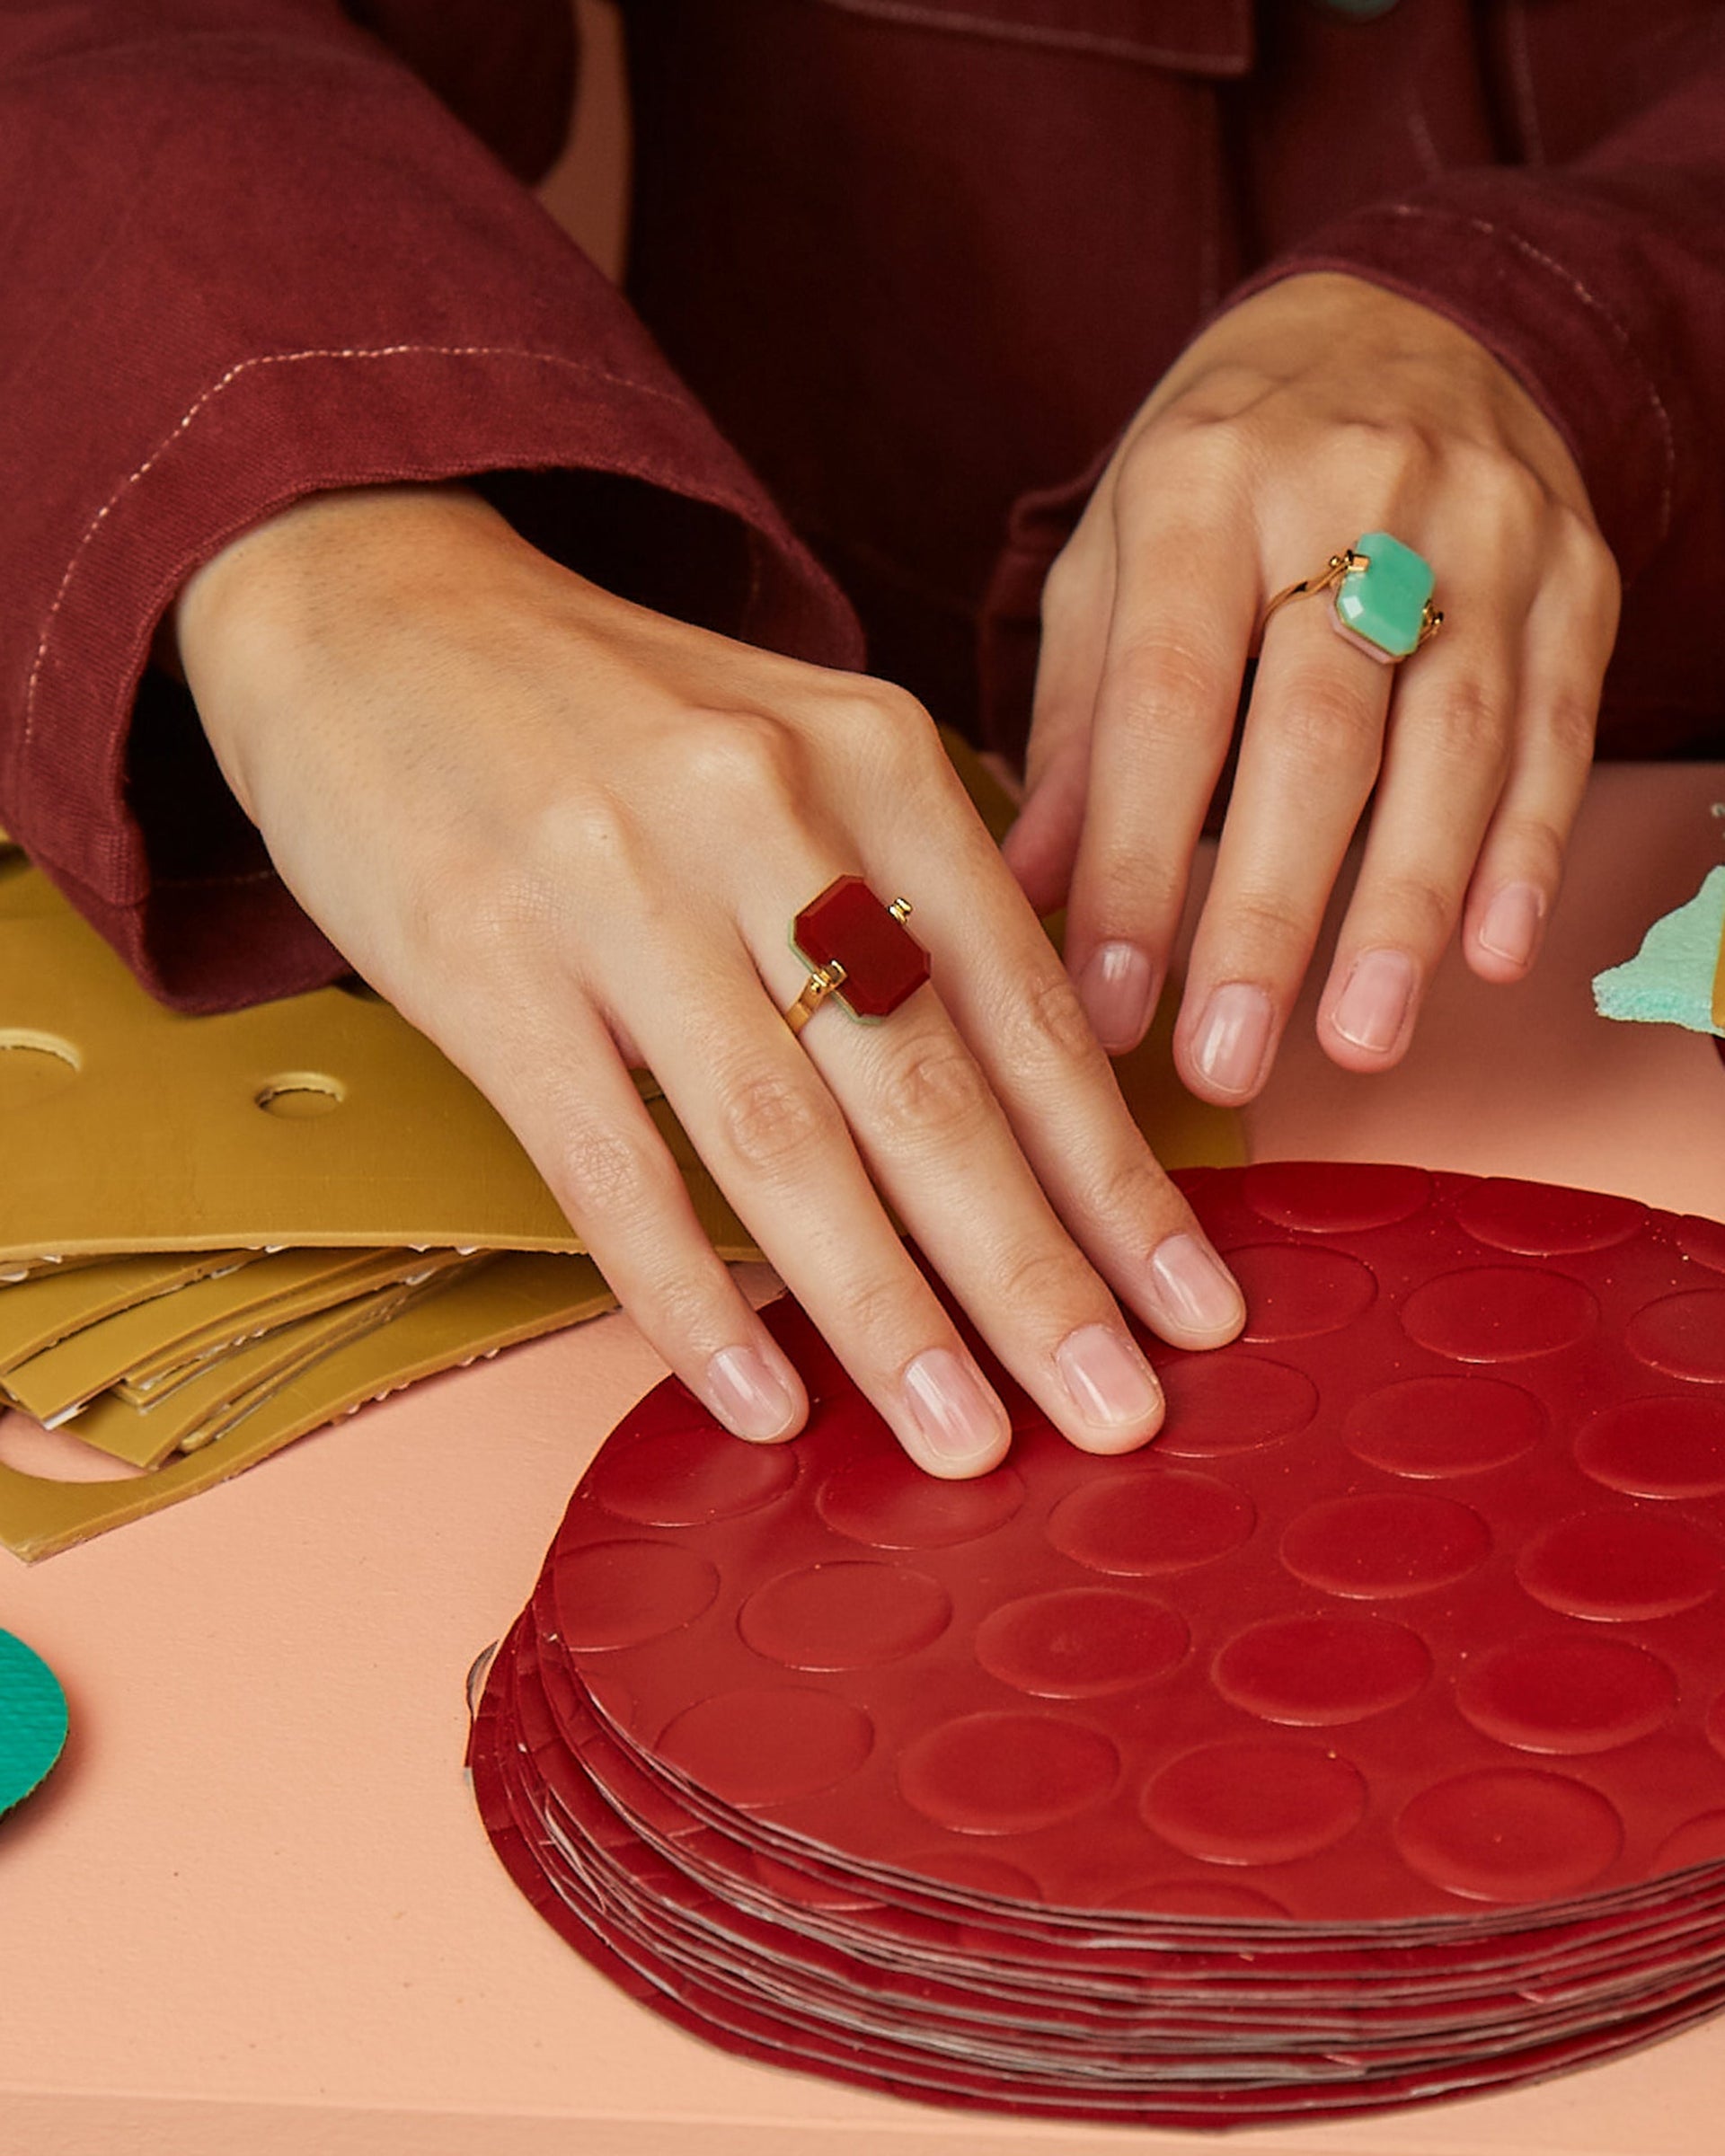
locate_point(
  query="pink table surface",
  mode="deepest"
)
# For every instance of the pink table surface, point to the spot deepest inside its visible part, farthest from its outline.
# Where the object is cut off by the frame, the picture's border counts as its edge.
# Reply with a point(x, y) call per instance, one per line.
point(254, 1909)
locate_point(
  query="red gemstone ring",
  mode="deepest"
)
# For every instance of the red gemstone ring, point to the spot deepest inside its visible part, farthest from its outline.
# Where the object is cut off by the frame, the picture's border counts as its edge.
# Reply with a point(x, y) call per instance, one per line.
point(858, 949)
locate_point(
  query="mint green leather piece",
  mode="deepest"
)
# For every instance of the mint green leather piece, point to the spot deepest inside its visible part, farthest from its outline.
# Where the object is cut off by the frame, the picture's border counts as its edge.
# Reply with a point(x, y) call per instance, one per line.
point(1385, 602)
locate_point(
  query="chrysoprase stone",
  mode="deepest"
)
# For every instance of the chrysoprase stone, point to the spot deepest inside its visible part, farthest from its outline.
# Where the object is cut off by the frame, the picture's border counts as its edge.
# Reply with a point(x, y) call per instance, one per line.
point(883, 962)
point(1385, 602)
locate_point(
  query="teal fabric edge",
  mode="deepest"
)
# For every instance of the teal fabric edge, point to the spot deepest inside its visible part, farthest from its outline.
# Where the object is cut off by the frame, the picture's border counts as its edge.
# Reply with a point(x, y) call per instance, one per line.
point(33, 1720)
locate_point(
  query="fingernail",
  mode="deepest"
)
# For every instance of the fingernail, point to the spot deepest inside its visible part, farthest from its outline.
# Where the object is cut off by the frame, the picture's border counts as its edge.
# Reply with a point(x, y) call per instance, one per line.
point(1194, 1287)
point(1233, 1038)
point(1110, 1382)
point(1117, 985)
point(747, 1394)
point(1373, 1005)
point(957, 1417)
point(1511, 928)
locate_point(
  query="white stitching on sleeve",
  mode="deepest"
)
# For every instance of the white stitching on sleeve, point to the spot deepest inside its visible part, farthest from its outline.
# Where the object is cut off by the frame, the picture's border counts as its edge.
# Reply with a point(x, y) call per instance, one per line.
point(386, 352)
point(1619, 330)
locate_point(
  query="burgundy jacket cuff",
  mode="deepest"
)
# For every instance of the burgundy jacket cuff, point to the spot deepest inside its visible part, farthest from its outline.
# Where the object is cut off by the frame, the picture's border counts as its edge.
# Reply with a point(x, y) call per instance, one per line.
point(177, 376)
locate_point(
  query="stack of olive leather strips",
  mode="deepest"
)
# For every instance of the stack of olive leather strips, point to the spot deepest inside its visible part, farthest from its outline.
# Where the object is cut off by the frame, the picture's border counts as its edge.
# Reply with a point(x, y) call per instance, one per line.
point(217, 1233)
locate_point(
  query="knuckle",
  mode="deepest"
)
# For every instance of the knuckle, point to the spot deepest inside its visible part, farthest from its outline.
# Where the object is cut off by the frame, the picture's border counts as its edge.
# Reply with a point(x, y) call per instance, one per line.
point(774, 1122)
point(1423, 906)
point(1206, 437)
point(686, 1301)
point(1474, 727)
point(603, 1174)
point(887, 1319)
point(1051, 1285)
point(1571, 723)
point(1594, 569)
point(905, 734)
point(935, 1095)
point(1505, 491)
point(1265, 936)
point(887, 735)
point(733, 753)
point(1168, 688)
point(1537, 845)
point(1380, 452)
point(1048, 1024)
point(1135, 1189)
point(1324, 725)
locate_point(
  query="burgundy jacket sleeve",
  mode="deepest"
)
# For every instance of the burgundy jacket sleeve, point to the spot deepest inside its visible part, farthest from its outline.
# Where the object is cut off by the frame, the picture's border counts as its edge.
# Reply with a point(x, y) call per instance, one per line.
point(1600, 283)
point(249, 254)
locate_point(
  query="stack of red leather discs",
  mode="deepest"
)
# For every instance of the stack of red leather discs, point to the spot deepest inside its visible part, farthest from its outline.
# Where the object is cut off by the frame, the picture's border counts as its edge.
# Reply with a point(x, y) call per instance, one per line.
point(1360, 1741)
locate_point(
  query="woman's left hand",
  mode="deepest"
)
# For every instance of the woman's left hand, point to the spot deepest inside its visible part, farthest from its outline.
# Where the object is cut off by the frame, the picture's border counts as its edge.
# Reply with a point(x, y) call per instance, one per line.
point(1317, 410)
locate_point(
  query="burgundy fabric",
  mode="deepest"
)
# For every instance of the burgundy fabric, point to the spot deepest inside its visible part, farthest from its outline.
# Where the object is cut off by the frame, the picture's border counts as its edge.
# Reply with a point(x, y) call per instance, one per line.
point(919, 260)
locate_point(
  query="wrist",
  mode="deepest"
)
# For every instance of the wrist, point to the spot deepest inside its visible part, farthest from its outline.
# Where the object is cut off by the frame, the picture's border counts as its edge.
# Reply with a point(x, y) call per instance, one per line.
point(286, 594)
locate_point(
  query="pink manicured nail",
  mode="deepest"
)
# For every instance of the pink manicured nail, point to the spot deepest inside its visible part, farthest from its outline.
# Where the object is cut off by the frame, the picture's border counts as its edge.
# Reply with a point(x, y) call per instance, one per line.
point(1374, 1005)
point(1198, 1294)
point(958, 1419)
point(747, 1394)
point(1110, 1382)
point(1117, 988)
point(1233, 1038)
point(1511, 929)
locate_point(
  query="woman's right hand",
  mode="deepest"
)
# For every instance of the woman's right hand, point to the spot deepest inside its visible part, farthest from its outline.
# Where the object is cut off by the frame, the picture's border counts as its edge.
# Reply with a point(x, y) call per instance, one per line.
point(565, 835)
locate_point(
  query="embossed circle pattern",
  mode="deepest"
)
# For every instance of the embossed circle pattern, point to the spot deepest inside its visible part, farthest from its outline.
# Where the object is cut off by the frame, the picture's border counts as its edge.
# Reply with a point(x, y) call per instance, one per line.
point(1384, 1546)
point(681, 1477)
point(1333, 1197)
point(1409, 1622)
point(1568, 1695)
point(767, 1746)
point(1077, 1643)
point(885, 1501)
point(1618, 1567)
point(1503, 1836)
point(1672, 1445)
point(1254, 1804)
point(1007, 1774)
point(1430, 1428)
point(1294, 1291)
point(613, 1594)
point(844, 1616)
point(1499, 1313)
point(1697, 1842)
point(1539, 1220)
point(1146, 1523)
point(1683, 1334)
point(1702, 1240)
point(1221, 1404)
point(1313, 1671)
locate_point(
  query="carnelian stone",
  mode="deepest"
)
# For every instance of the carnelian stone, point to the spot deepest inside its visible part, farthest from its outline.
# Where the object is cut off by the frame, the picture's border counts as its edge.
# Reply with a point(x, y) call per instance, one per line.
point(883, 962)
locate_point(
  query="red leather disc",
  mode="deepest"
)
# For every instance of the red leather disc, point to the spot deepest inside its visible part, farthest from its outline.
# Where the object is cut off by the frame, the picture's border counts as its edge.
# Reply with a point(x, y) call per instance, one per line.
point(1362, 1737)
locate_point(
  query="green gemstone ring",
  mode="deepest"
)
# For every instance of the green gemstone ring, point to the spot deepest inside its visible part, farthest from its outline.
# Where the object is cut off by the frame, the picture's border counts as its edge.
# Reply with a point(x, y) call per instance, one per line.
point(1383, 600)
